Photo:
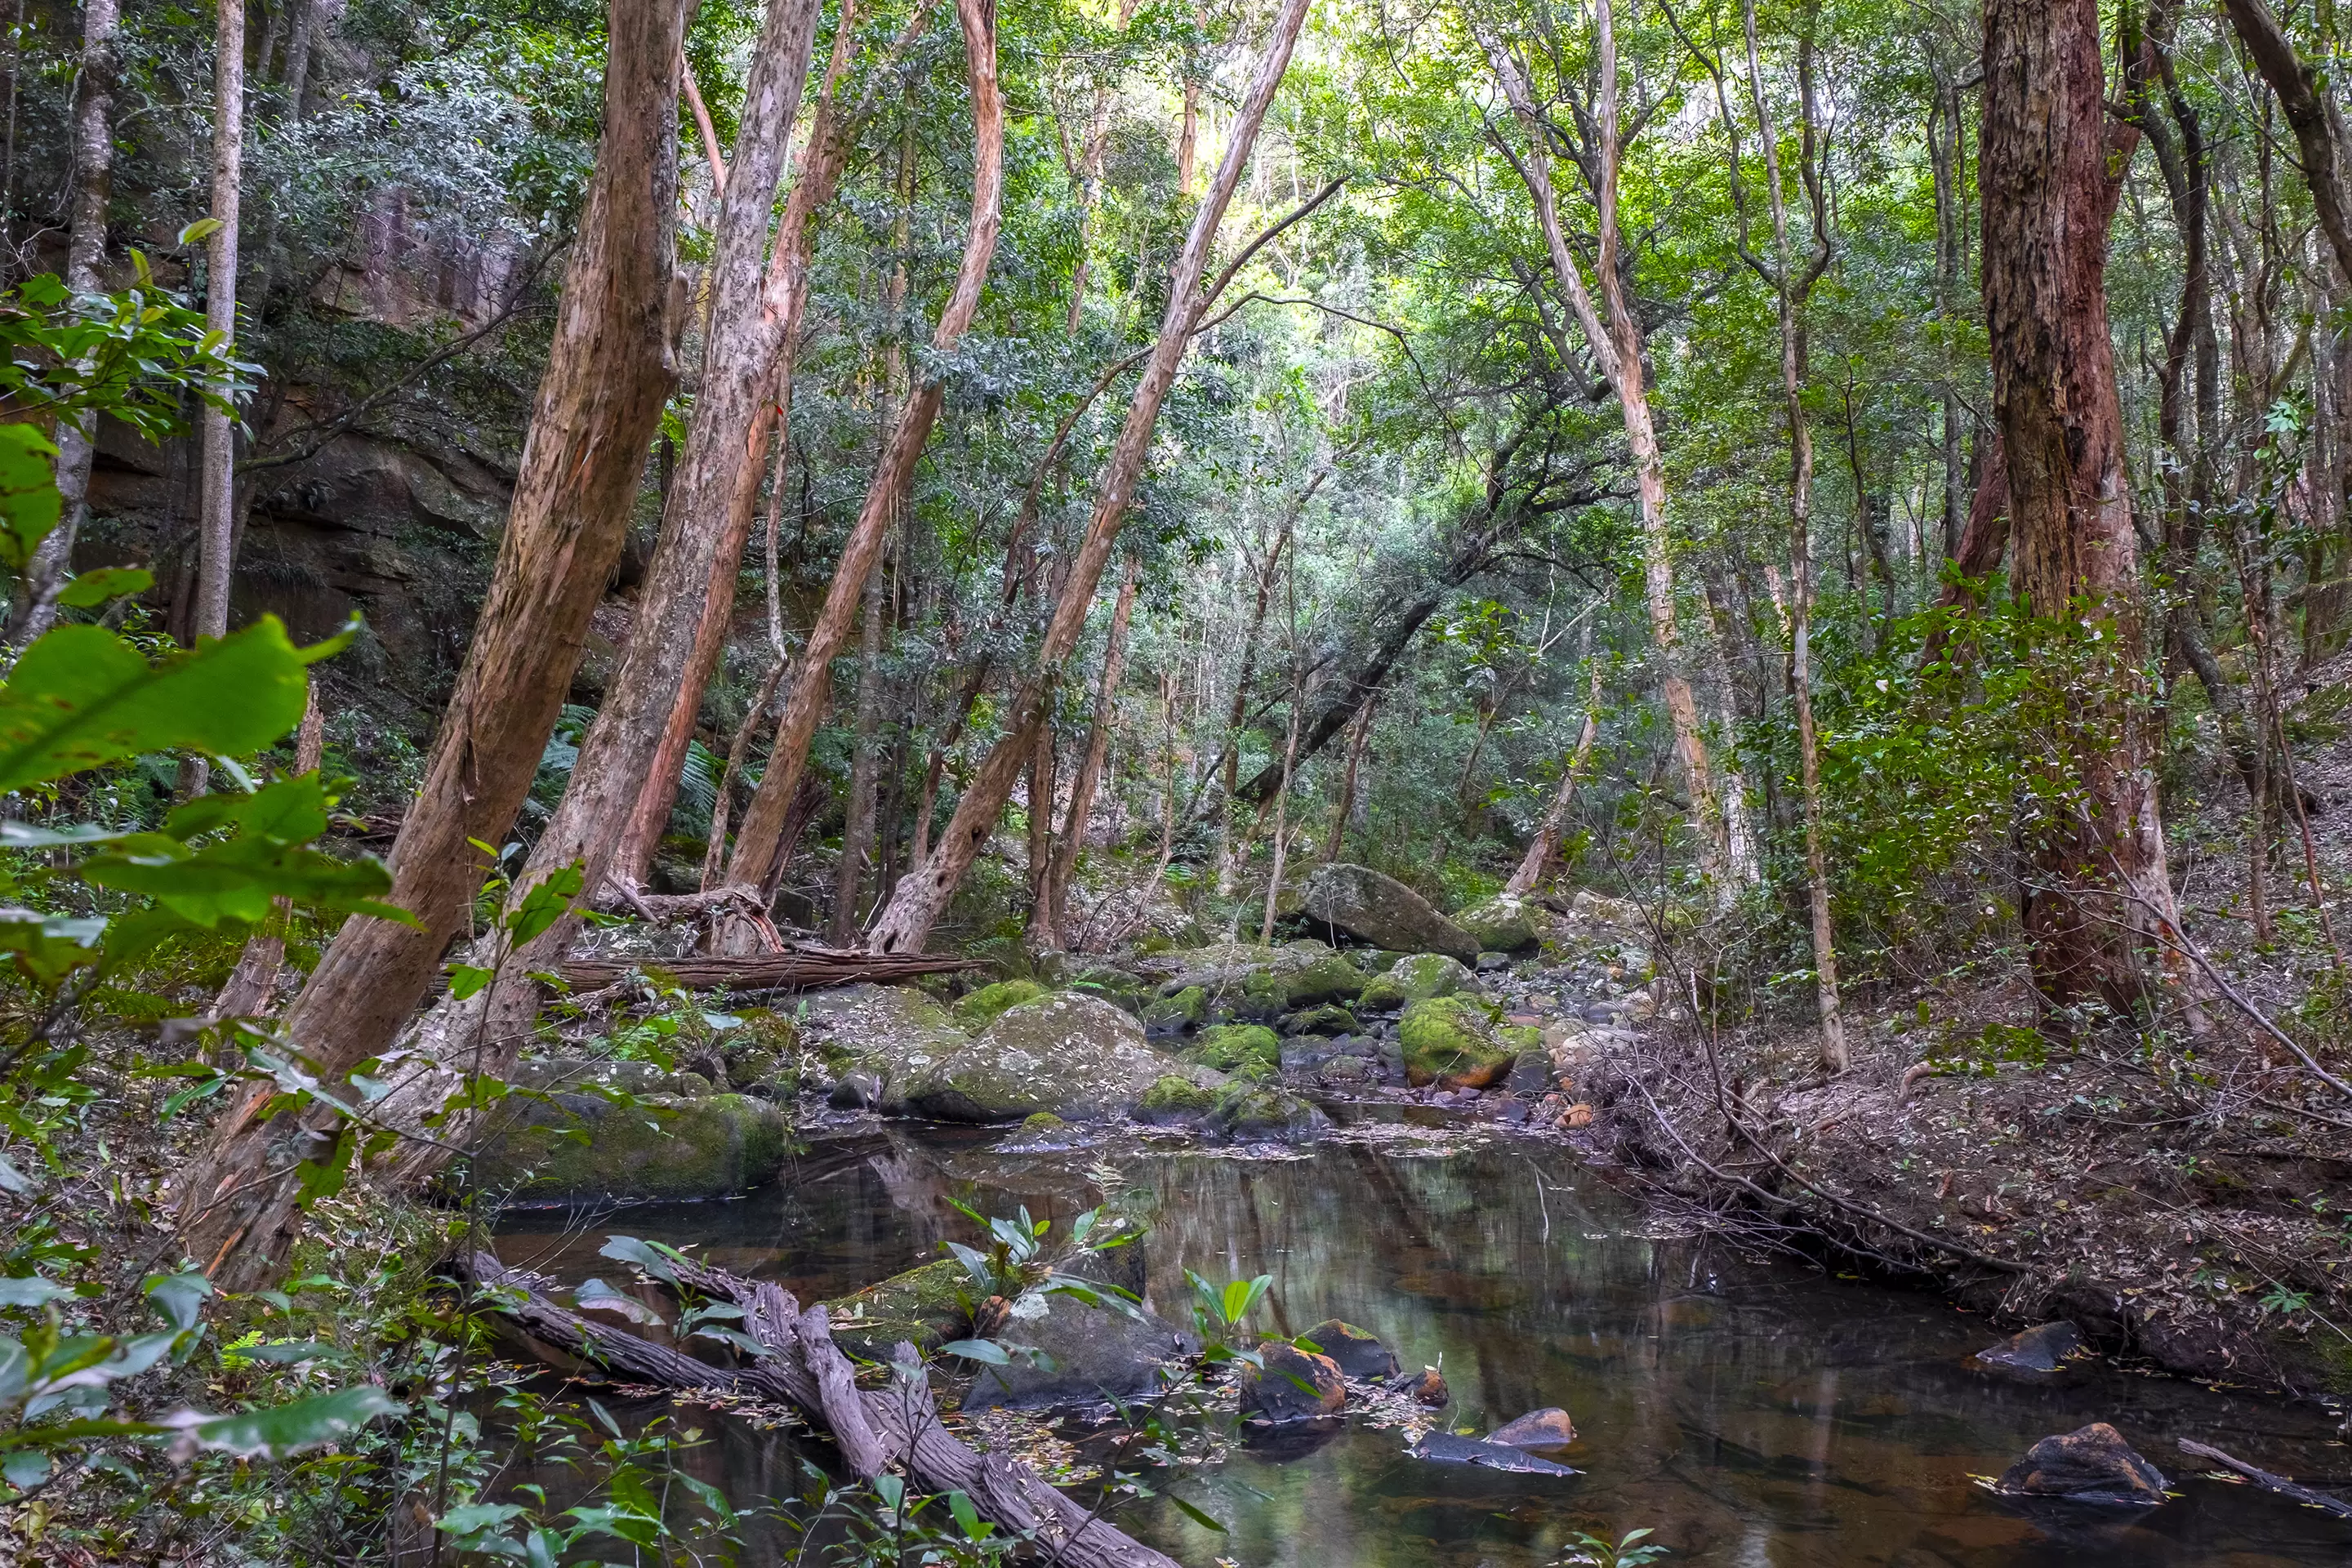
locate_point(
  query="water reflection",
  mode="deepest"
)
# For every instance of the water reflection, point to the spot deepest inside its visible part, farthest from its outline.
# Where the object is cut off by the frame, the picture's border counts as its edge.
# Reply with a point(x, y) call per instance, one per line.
point(1753, 1412)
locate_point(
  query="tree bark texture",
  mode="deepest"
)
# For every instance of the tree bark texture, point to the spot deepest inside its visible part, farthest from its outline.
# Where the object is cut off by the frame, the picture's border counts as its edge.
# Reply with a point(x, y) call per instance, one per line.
point(216, 487)
point(2098, 895)
point(923, 893)
point(609, 370)
point(756, 861)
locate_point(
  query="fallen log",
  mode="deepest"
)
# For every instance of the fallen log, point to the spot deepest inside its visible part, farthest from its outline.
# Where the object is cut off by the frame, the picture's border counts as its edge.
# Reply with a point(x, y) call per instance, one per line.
point(875, 1430)
point(808, 969)
point(2266, 1480)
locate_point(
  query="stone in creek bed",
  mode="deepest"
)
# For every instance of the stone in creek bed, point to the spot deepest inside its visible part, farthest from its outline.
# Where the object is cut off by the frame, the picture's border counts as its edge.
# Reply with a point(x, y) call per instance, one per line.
point(1445, 1448)
point(1424, 1387)
point(1294, 1385)
point(1547, 1428)
point(1355, 1353)
point(2090, 1464)
point(2043, 1348)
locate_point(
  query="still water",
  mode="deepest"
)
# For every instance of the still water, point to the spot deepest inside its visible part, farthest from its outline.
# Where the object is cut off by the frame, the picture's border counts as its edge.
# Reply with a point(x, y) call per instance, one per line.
point(1755, 1413)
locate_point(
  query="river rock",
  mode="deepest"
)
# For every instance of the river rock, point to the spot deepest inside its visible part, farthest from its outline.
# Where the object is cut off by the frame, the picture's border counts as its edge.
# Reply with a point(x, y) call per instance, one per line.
point(761, 1053)
point(1503, 923)
point(924, 1306)
point(987, 1004)
point(1416, 978)
point(896, 1033)
point(1547, 1428)
point(1186, 1009)
point(2043, 1348)
point(1424, 1387)
point(1328, 1019)
point(576, 1147)
point(1261, 1113)
point(1177, 1100)
point(1530, 1073)
point(582, 1074)
point(1230, 1048)
point(1455, 1043)
point(1445, 1449)
point(1089, 1355)
point(1294, 1385)
point(1313, 972)
point(2090, 1464)
point(1070, 1054)
point(1381, 911)
point(1353, 1351)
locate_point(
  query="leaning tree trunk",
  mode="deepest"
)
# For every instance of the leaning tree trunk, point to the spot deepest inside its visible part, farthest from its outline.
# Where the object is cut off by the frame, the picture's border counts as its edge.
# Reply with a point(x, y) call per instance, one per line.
point(608, 373)
point(757, 860)
point(1545, 848)
point(216, 487)
point(923, 893)
point(1063, 864)
point(2099, 899)
point(35, 610)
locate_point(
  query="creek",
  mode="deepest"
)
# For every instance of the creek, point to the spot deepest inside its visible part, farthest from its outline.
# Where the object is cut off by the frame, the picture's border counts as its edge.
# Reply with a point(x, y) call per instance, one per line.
point(1754, 1411)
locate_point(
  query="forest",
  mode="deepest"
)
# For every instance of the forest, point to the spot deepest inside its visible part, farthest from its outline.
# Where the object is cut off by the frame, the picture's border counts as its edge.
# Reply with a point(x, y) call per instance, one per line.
point(1420, 783)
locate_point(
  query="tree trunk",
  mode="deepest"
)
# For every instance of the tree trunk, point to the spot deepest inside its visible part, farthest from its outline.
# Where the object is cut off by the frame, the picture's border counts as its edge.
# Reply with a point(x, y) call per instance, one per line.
point(858, 824)
point(1537, 863)
point(2309, 101)
point(1337, 840)
point(35, 610)
point(217, 503)
point(1289, 769)
point(609, 370)
point(1237, 712)
point(1064, 863)
point(2099, 897)
point(924, 893)
point(755, 861)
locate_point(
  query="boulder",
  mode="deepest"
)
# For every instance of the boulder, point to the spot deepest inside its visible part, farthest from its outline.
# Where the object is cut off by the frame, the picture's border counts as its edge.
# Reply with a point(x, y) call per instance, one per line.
point(1186, 1009)
point(578, 1147)
point(1454, 1042)
point(1066, 1352)
point(1503, 923)
point(1603, 910)
point(895, 1033)
point(1547, 1428)
point(1113, 986)
point(1073, 1055)
point(762, 1053)
point(1313, 972)
point(1229, 1047)
point(1446, 1448)
point(1381, 912)
point(986, 1005)
point(1261, 1113)
point(2090, 1464)
point(584, 1075)
point(1328, 1019)
point(1424, 1387)
point(1352, 1349)
point(1175, 1101)
point(2043, 1348)
point(1416, 978)
point(1530, 1073)
point(1293, 1385)
point(926, 1307)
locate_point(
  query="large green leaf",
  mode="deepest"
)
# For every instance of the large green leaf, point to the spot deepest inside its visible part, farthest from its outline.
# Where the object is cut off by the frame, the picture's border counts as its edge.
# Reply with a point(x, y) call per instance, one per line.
point(82, 697)
point(289, 1429)
point(29, 502)
point(236, 879)
point(45, 948)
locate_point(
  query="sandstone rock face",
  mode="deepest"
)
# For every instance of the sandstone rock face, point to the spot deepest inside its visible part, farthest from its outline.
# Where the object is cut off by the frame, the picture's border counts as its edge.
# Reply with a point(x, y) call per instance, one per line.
point(664, 1147)
point(1294, 1385)
point(1381, 911)
point(2090, 1464)
point(1073, 1055)
point(1355, 1351)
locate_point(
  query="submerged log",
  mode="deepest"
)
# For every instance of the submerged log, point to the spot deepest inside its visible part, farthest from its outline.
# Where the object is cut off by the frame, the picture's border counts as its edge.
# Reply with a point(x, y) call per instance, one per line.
point(877, 1430)
point(804, 969)
point(2266, 1480)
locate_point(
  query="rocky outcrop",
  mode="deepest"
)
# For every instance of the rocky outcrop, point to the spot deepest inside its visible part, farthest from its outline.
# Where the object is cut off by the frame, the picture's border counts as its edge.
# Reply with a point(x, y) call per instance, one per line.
point(2090, 1464)
point(894, 1033)
point(580, 1147)
point(1293, 1385)
point(1074, 1055)
point(1381, 911)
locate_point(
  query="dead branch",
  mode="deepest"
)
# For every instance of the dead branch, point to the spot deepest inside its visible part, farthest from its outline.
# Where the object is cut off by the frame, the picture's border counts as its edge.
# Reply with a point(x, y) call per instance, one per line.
point(2267, 1482)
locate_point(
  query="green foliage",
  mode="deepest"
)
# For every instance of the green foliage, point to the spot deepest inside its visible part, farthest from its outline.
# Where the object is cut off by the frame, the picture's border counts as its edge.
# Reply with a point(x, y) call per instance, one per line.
point(128, 355)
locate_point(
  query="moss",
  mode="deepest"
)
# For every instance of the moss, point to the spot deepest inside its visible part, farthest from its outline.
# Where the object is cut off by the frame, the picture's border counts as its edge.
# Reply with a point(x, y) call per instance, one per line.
point(926, 1307)
point(1254, 1112)
point(1324, 1020)
point(1175, 1098)
point(763, 1050)
point(570, 1147)
point(1231, 1045)
point(983, 1006)
point(1187, 1009)
point(1326, 978)
point(1501, 924)
point(1524, 1039)
point(1451, 1040)
point(1265, 995)
point(1414, 978)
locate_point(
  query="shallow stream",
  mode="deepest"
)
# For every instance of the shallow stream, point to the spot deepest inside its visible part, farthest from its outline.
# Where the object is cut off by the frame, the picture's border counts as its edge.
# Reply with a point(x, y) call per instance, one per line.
point(1754, 1412)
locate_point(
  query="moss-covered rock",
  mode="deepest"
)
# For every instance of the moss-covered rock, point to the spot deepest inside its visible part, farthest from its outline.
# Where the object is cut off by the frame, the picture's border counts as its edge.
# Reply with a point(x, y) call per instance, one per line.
point(1259, 1112)
point(1452, 1041)
point(1416, 978)
point(1115, 986)
point(926, 1307)
point(762, 1052)
point(1381, 911)
point(1175, 1099)
point(1187, 1009)
point(986, 1005)
point(894, 1033)
point(1230, 1047)
point(1073, 1055)
point(1324, 1020)
point(1503, 923)
point(1315, 973)
point(587, 1074)
point(580, 1147)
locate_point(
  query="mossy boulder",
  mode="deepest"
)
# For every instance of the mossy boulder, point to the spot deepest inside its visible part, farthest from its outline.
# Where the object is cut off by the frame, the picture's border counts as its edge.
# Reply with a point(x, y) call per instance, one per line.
point(986, 1005)
point(1503, 923)
point(762, 1052)
point(1381, 912)
point(1453, 1041)
point(1073, 1055)
point(926, 1307)
point(1313, 973)
point(1416, 978)
point(895, 1034)
point(1230, 1047)
point(1114, 986)
point(1176, 1100)
point(582, 1147)
point(1324, 1020)
point(1187, 1009)
point(1261, 1113)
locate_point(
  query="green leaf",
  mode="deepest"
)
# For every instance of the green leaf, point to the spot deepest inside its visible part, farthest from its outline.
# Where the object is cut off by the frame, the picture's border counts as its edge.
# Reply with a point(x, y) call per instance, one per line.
point(1196, 1516)
point(26, 1468)
point(968, 1518)
point(650, 1256)
point(467, 980)
point(92, 589)
point(29, 502)
point(180, 1297)
point(204, 228)
point(597, 1296)
point(45, 948)
point(544, 904)
point(284, 1429)
point(33, 1291)
point(81, 697)
point(987, 1351)
point(473, 1517)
